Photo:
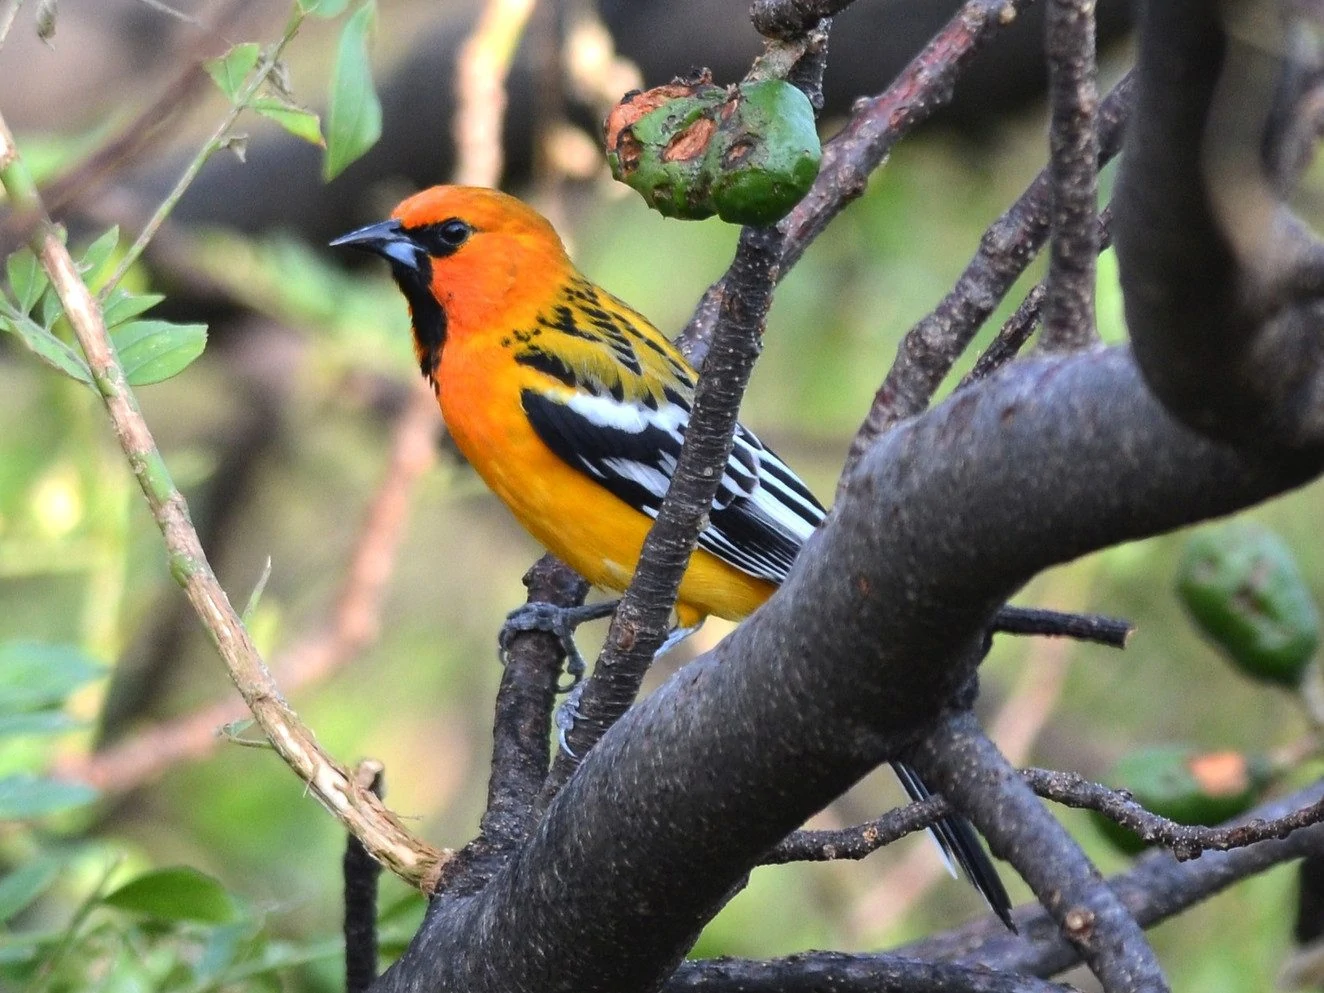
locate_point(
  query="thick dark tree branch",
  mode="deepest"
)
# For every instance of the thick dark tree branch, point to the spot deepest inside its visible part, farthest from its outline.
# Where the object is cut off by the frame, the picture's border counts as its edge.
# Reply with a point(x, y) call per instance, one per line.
point(689, 790)
point(1222, 288)
point(1074, 168)
point(932, 346)
point(816, 972)
point(961, 761)
point(864, 143)
point(641, 621)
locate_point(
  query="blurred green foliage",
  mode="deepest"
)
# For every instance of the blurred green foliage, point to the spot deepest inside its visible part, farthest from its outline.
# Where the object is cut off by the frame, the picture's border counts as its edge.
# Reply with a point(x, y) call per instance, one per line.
point(224, 875)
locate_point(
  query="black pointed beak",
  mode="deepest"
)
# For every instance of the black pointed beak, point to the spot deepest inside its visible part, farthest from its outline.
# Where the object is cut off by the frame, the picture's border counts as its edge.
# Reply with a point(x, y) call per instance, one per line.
point(387, 239)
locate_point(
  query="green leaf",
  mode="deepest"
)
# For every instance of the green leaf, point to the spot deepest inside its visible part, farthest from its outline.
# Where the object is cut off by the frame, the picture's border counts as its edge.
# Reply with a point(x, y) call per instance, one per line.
point(323, 8)
point(47, 347)
point(27, 279)
point(37, 722)
point(176, 894)
point(24, 796)
point(123, 305)
point(98, 252)
point(297, 121)
point(231, 69)
point(26, 883)
point(50, 309)
point(151, 351)
point(354, 117)
point(34, 676)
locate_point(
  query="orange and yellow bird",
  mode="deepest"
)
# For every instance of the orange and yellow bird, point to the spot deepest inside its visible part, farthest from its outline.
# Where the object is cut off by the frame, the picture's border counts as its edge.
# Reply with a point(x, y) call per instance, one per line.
point(572, 407)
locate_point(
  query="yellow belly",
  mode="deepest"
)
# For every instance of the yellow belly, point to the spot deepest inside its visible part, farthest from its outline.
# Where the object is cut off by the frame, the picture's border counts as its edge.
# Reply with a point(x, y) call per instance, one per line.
point(578, 521)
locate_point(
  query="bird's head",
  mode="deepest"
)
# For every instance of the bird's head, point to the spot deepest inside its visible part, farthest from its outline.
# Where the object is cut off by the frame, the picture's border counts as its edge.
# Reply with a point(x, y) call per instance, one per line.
point(469, 261)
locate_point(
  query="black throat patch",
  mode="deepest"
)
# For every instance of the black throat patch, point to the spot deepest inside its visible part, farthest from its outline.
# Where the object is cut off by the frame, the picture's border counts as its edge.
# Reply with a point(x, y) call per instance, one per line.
point(428, 318)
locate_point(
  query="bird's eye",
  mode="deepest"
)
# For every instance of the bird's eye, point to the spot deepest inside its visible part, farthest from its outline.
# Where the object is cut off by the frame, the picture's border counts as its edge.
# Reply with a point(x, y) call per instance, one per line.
point(444, 238)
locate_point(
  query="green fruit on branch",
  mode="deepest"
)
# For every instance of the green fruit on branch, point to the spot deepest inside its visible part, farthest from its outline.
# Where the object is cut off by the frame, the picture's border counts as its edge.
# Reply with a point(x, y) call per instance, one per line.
point(1242, 587)
point(747, 153)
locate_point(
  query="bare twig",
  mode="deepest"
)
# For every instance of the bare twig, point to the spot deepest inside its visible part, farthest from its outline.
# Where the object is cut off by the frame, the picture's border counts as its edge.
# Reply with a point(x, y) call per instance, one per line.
point(930, 348)
point(1185, 841)
point(969, 768)
point(213, 143)
point(1016, 330)
point(1074, 167)
point(1082, 627)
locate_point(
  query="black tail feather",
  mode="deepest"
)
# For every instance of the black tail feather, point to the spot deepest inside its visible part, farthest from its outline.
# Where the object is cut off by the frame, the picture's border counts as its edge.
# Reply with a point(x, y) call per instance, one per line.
point(956, 837)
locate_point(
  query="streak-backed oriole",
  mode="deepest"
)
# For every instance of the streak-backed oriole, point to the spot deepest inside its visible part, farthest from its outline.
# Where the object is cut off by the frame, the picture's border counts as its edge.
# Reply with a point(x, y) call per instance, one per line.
point(573, 408)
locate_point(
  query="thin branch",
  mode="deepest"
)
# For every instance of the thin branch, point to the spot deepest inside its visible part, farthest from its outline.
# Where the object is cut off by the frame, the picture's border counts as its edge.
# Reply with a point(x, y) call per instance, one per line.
point(361, 875)
point(815, 972)
point(146, 128)
point(1016, 330)
point(1185, 841)
point(353, 625)
point(1073, 142)
point(522, 726)
point(925, 86)
point(640, 623)
point(967, 766)
point(1155, 889)
point(1111, 631)
point(209, 147)
point(932, 346)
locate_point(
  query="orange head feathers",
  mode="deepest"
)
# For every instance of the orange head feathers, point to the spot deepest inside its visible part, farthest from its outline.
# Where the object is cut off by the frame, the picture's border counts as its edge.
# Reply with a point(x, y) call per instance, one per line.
point(466, 258)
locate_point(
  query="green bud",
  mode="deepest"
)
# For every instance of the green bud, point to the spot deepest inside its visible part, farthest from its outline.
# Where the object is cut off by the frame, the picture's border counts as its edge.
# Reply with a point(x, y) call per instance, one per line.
point(1242, 587)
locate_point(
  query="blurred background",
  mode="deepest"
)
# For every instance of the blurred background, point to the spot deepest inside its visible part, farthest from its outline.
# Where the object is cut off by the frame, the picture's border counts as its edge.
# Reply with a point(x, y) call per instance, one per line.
point(299, 441)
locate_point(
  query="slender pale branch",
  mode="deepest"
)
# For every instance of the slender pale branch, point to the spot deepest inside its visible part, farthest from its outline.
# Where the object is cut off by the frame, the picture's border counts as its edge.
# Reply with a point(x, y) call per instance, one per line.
point(361, 812)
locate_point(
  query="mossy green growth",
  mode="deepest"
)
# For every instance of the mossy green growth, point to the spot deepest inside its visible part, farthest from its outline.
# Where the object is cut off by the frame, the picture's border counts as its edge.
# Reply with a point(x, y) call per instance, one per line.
point(691, 150)
point(1244, 591)
point(1185, 786)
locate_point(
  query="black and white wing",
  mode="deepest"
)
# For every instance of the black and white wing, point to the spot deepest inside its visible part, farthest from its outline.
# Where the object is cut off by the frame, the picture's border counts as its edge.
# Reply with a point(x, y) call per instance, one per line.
point(762, 513)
